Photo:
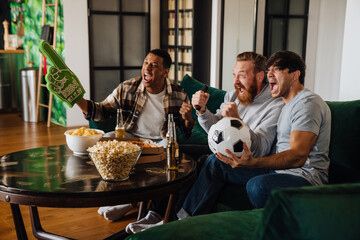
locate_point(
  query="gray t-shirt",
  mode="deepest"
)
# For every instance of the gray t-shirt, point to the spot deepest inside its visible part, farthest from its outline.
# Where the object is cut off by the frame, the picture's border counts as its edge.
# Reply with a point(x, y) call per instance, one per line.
point(309, 113)
point(261, 116)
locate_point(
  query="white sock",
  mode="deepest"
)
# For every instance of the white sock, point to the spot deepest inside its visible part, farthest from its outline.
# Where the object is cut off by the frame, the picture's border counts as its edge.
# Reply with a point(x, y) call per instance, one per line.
point(135, 228)
point(101, 210)
point(115, 212)
point(150, 220)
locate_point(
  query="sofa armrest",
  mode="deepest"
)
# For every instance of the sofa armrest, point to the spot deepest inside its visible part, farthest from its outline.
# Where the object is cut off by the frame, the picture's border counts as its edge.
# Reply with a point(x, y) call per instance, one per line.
point(321, 212)
point(225, 225)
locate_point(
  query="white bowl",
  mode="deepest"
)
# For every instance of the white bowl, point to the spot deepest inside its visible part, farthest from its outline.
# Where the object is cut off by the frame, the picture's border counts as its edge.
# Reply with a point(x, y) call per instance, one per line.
point(79, 144)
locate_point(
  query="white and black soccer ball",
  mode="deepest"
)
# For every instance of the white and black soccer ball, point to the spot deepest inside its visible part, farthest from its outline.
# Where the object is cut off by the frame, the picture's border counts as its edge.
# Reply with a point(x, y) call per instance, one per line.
point(229, 133)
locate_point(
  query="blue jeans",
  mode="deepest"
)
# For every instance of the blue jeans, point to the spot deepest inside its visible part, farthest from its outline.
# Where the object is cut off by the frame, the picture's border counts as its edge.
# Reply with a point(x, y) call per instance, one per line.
point(259, 183)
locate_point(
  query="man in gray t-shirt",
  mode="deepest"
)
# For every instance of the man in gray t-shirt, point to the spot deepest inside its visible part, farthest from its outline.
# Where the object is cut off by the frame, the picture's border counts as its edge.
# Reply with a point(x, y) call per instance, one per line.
point(307, 112)
point(301, 157)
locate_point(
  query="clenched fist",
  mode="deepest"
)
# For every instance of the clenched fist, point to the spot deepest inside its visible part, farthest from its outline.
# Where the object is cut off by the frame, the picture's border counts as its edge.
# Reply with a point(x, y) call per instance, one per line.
point(200, 98)
point(230, 110)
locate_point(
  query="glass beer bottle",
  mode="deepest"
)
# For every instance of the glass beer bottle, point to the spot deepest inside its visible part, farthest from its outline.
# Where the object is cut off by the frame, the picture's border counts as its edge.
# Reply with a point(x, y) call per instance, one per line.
point(119, 129)
point(177, 151)
point(170, 146)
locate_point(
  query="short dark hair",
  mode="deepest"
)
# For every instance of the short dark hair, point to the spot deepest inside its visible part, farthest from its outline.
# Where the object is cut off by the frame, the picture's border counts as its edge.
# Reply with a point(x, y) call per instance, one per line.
point(287, 59)
point(164, 55)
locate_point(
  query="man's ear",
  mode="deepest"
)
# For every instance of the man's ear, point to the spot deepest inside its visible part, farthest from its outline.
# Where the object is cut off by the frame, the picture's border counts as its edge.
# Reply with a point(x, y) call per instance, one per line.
point(260, 76)
point(166, 72)
point(297, 74)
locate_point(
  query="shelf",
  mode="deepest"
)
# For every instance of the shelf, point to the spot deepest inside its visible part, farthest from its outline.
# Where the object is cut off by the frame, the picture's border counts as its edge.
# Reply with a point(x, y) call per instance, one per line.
point(185, 64)
point(192, 35)
point(180, 47)
point(179, 28)
point(181, 10)
point(12, 51)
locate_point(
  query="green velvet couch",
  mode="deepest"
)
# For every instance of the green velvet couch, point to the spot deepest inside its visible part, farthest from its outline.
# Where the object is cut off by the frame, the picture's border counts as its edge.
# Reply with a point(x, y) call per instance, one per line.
point(331, 211)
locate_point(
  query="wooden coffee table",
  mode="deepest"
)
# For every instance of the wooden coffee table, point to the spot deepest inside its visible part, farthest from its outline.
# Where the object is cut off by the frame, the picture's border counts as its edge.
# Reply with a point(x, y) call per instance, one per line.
point(54, 177)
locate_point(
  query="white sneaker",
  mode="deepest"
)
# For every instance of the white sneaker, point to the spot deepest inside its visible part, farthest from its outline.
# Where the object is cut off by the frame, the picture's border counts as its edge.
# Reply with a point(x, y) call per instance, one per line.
point(152, 219)
point(113, 213)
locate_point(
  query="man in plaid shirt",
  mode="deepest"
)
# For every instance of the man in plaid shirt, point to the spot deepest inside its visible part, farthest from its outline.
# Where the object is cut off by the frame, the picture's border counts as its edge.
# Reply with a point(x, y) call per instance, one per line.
point(146, 102)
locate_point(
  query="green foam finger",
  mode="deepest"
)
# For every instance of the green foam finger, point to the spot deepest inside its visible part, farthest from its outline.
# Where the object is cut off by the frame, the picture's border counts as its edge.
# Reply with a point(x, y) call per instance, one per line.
point(60, 80)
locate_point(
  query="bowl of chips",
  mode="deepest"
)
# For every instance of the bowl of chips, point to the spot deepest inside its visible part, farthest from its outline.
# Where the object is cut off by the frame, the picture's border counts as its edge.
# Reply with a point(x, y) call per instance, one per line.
point(114, 159)
point(79, 140)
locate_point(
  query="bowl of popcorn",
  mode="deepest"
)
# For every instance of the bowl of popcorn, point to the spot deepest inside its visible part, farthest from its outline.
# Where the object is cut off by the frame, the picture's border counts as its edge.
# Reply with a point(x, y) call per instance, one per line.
point(78, 140)
point(114, 159)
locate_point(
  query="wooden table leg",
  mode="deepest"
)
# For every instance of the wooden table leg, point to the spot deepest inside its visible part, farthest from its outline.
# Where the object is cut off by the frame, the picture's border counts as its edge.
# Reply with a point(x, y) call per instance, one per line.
point(18, 221)
point(170, 207)
point(37, 229)
point(142, 210)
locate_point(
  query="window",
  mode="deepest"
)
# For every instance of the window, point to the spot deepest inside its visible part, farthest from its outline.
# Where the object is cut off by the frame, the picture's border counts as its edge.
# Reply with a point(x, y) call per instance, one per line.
point(119, 35)
point(286, 26)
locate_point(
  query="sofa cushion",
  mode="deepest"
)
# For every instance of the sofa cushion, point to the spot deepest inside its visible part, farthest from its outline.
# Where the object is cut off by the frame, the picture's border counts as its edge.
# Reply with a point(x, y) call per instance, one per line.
point(322, 212)
point(191, 85)
point(107, 125)
point(345, 142)
point(225, 225)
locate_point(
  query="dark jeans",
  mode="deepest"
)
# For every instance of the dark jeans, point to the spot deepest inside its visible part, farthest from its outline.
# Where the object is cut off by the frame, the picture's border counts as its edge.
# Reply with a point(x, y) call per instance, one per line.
point(204, 194)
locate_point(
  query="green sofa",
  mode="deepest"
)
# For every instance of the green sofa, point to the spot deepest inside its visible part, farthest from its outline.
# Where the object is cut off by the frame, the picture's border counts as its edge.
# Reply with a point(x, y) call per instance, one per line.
point(331, 211)
point(324, 212)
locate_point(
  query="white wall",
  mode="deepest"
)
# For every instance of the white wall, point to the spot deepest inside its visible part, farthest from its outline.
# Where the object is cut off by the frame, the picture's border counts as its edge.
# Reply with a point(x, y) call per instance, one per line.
point(77, 52)
point(155, 24)
point(215, 43)
point(77, 47)
point(239, 26)
point(325, 70)
point(260, 25)
point(350, 83)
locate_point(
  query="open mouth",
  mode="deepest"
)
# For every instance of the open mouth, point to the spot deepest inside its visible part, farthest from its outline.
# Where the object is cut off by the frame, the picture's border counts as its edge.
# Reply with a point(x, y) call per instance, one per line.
point(274, 86)
point(240, 88)
point(147, 77)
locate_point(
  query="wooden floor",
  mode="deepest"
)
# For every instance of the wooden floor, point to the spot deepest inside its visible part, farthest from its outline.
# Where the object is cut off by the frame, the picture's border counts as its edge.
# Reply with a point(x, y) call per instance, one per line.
point(84, 223)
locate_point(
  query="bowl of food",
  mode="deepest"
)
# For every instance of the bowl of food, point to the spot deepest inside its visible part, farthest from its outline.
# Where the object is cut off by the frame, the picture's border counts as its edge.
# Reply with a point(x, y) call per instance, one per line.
point(79, 140)
point(114, 159)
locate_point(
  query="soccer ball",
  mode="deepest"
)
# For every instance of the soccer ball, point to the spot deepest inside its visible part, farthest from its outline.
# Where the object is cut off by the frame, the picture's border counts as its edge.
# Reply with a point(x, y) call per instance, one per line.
point(229, 133)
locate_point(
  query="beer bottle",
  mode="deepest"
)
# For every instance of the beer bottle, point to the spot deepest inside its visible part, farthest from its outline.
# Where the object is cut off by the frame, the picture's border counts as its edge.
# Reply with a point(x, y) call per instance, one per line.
point(119, 129)
point(170, 145)
point(177, 151)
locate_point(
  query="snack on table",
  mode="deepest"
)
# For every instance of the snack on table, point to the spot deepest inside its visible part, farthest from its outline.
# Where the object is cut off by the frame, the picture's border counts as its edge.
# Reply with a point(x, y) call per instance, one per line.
point(114, 159)
point(83, 131)
point(147, 143)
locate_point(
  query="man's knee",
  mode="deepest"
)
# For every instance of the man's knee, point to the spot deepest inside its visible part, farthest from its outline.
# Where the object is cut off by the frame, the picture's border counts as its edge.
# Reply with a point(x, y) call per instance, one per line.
point(257, 191)
point(214, 167)
point(253, 188)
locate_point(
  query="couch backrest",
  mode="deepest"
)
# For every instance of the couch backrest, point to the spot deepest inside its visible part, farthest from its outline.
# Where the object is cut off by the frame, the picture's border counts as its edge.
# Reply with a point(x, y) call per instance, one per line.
point(345, 142)
point(191, 85)
point(317, 212)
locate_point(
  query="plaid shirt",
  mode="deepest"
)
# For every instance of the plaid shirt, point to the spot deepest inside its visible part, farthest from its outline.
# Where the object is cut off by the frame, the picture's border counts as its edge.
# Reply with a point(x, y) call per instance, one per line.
point(130, 96)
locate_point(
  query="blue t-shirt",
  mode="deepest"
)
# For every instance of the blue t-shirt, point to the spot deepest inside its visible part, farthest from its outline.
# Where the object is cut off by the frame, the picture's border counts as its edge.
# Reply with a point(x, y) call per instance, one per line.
point(309, 113)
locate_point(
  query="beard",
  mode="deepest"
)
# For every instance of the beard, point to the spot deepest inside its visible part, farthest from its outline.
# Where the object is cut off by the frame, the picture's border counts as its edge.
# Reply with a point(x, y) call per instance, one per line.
point(249, 94)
